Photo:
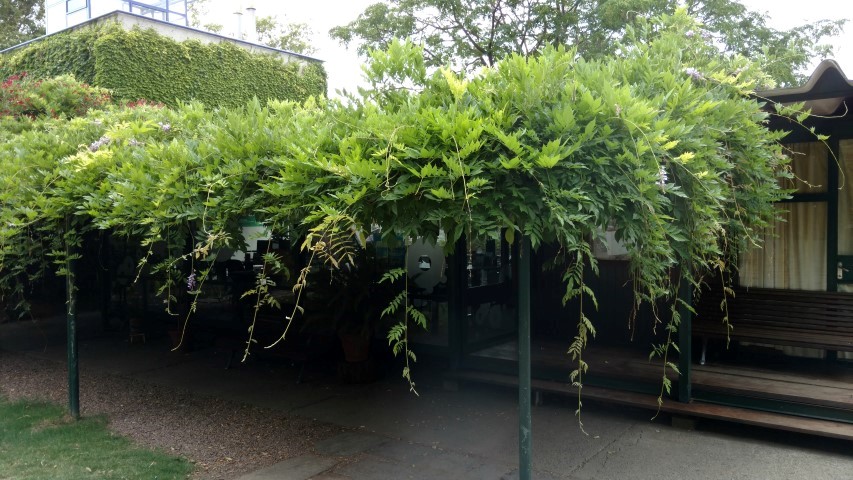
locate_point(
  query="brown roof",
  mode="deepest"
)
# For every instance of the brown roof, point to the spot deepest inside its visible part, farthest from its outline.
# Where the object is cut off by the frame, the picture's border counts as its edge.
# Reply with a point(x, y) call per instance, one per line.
point(828, 91)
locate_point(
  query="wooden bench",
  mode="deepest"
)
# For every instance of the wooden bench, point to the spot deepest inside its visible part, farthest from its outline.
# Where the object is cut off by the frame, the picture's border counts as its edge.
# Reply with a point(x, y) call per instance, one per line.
point(800, 318)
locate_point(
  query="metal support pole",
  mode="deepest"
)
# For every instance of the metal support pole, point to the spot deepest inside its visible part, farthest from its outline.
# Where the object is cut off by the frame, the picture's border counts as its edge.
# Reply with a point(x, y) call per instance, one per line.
point(457, 285)
point(71, 325)
point(525, 430)
point(685, 344)
point(105, 277)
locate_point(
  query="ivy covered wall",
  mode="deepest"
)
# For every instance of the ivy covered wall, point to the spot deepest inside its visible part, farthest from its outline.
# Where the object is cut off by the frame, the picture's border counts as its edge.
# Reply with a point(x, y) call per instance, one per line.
point(142, 64)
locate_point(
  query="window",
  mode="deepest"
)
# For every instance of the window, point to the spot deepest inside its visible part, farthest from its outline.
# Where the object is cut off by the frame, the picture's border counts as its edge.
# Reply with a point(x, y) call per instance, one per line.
point(845, 212)
point(794, 252)
point(72, 6)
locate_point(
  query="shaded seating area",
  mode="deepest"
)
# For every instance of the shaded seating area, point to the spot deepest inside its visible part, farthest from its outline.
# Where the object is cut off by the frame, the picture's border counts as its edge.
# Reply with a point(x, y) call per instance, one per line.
point(801, 318)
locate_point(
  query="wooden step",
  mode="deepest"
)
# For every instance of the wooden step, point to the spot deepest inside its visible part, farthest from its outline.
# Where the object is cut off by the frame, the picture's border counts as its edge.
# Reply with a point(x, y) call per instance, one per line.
point(838, 396)
point(777, 421)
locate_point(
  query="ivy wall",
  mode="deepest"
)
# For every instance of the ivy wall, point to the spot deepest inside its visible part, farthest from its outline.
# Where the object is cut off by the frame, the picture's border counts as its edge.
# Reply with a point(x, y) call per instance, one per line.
point(142, 64)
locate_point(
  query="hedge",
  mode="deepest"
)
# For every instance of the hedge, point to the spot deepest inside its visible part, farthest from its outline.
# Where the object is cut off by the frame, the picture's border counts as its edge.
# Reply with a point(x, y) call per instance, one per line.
point(142, 64)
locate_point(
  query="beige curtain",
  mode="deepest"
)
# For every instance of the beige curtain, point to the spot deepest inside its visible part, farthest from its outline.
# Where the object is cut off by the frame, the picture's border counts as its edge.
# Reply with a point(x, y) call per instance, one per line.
point(793, 254)
point(808, 164)
point(845, 200)
point(845, 213)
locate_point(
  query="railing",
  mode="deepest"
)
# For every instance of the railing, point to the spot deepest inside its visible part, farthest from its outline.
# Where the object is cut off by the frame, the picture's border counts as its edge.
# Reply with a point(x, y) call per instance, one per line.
point(157, 12)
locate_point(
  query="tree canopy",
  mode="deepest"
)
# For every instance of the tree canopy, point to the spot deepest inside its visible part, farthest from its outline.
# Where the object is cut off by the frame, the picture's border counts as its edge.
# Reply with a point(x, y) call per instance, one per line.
point(472, 33)
point(293, 37)
point(20, 20)
point(272, 32)
point(664, 142)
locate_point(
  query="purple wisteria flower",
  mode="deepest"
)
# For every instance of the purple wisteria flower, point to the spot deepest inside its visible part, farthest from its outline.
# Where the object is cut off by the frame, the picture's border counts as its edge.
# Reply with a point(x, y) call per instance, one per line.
point(191, 282)
point(97, 144)
point(662, 177)
point(695, 74)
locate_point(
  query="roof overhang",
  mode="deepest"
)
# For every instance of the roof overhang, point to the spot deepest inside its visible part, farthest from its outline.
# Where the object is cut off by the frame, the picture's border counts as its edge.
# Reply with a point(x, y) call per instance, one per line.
point(827, 92)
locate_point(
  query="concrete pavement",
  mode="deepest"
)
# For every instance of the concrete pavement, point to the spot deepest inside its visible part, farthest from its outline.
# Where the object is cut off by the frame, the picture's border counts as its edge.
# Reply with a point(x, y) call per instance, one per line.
point(466, 434)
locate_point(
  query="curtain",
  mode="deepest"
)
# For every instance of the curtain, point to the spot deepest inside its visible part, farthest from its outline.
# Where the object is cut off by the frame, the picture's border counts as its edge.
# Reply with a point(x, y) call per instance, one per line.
point(845, 200)
point(793, 253)
point(845, 213)
point(808, 164)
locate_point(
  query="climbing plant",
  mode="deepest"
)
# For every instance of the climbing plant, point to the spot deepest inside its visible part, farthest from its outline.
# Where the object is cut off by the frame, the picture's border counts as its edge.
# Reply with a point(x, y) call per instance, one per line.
point(142, 64)
point(662, 141)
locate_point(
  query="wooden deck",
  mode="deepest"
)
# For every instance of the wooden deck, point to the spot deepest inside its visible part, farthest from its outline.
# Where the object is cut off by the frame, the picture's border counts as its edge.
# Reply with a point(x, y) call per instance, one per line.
point(805, 388)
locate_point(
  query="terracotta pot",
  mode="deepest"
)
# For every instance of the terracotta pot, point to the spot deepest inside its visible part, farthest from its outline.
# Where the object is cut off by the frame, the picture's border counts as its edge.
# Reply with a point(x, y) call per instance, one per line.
point(356, 347)
point(175, 336)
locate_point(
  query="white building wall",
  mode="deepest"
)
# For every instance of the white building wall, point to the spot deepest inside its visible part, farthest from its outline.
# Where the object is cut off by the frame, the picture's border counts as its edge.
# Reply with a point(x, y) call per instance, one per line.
point(100, 7)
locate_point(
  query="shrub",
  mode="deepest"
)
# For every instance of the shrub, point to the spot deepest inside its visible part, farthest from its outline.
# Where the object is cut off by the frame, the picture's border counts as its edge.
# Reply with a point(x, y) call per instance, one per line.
point(23, 96)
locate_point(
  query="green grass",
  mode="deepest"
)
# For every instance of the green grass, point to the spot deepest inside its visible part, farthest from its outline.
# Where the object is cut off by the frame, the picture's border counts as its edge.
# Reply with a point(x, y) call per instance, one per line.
point(39, 441)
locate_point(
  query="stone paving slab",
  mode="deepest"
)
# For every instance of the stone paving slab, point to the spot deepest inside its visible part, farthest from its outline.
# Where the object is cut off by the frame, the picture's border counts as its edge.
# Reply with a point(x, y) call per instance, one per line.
point(426, 457)
point(349, 443)
point(373, 468)
point(303, 467)
point(513, 475)
point(494, 471)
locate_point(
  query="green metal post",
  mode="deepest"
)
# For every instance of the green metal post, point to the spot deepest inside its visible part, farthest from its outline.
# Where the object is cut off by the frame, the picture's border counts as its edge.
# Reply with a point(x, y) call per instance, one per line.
point(685, 344)
point(105, 277)
point(525, 424)
point(71, 325)
point(457, 284)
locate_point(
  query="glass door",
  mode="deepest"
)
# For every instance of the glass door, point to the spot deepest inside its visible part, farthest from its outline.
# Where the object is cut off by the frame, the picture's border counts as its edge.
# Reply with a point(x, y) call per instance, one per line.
point(488, 310)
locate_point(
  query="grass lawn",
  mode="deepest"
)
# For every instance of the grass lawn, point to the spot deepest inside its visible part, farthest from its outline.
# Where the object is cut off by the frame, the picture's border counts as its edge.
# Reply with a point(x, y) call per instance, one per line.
point(39, 441)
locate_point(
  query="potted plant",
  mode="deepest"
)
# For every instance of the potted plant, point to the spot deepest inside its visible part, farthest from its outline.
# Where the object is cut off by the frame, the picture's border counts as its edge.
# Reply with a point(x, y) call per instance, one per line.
point(355, 299)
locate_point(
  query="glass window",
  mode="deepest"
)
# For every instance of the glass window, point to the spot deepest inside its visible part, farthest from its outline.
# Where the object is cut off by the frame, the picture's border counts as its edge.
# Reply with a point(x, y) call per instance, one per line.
point(845, 199)
point(808, 163)
point(148, 12)
point(78, 17)
point(845, 209)
point(793, 255)
point(178, 6)
point(72, 6)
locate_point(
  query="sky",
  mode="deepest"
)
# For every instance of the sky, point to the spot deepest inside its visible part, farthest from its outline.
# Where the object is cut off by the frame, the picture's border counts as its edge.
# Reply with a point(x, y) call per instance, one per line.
point(343, 65)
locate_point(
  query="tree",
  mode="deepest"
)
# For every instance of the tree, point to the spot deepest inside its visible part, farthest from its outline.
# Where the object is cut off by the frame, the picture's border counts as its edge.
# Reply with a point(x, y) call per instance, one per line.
point(20, 20)
point(473, 33)
point(293, 37)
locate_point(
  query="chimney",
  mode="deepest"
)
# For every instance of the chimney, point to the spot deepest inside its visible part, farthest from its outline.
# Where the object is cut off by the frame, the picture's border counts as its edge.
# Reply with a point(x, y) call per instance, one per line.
point(239, 21)
point(251, 24)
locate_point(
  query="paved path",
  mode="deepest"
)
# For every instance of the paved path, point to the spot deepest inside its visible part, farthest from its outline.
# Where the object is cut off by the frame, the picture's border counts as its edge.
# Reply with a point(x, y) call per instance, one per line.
point(466, 434)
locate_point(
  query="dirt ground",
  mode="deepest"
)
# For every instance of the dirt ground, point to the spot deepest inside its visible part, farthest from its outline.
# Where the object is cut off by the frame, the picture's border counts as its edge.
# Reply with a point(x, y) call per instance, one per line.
point(223, 439)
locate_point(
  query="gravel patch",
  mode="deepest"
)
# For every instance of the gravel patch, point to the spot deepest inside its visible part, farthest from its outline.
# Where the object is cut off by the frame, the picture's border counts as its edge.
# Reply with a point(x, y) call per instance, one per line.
point(223, 439)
